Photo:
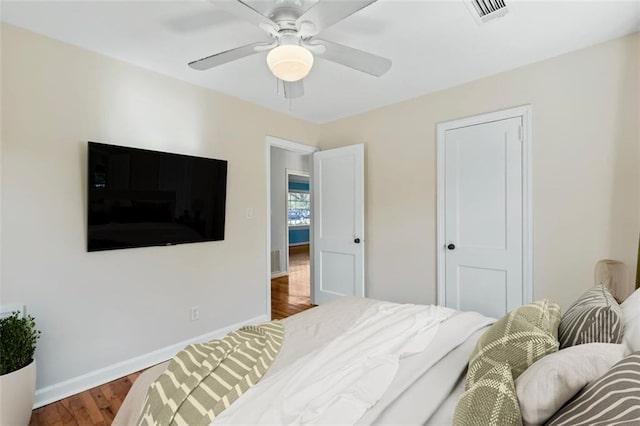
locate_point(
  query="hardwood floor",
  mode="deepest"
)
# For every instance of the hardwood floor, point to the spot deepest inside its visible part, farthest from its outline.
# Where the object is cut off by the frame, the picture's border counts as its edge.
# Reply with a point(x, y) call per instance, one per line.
point(292, 294)
point(98, 406)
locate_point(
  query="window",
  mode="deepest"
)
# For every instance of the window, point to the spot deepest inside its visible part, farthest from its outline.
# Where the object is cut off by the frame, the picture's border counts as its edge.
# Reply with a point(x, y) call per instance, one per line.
point(299, 208)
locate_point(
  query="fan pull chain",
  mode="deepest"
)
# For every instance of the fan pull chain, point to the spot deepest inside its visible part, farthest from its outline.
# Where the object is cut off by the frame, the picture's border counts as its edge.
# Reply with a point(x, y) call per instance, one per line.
point(284, 92)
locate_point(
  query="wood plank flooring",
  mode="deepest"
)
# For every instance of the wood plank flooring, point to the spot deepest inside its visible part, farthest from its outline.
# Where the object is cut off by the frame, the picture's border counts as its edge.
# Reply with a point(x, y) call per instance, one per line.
point(291, 294)
point(98, 406)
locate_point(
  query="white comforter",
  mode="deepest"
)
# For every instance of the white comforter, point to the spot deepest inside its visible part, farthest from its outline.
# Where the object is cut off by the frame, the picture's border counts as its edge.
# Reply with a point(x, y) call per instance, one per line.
point(420, 391)
point(340, 381)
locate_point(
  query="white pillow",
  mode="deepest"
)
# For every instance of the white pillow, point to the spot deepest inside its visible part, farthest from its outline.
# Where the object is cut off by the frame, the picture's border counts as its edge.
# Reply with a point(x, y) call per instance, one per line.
point(631, 315)
point(553, 380)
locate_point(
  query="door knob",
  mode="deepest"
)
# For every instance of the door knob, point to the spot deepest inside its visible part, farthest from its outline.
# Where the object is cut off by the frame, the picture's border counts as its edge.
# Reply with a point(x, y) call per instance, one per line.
point(356, 240)
point(451, 246)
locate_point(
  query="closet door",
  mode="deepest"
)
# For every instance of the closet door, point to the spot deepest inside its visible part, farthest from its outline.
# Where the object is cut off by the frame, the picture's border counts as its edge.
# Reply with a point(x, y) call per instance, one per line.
point(483, 224)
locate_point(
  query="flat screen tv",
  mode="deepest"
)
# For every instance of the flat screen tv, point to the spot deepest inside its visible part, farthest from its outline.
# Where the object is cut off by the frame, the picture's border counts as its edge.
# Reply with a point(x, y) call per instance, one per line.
point(140, 198)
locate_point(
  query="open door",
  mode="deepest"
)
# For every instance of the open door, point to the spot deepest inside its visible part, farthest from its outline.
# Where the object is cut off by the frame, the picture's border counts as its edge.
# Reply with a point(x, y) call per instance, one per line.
point(338, 223)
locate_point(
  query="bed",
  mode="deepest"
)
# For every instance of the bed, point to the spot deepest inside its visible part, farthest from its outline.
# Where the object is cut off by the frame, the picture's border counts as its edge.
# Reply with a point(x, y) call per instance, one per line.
point(414, 380)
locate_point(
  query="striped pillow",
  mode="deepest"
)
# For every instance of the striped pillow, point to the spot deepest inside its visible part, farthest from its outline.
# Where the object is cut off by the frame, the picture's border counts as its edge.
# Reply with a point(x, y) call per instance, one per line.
point(612, 399)
point(595, 317)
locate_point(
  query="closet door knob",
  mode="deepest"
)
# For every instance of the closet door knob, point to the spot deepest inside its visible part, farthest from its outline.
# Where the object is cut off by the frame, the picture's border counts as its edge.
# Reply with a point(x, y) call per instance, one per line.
point(451, 246)
point(356, 240)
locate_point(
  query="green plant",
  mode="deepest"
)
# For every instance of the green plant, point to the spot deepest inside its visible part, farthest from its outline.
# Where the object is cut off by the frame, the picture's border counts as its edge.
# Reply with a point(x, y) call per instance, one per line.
point(18, 337)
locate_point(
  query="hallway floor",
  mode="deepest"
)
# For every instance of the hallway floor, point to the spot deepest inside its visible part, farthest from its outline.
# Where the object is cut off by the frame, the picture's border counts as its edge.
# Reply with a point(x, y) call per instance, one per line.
point(292, 294)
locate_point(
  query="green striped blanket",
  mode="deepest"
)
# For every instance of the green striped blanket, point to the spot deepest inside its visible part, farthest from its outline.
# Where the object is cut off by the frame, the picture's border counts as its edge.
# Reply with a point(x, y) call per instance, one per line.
point(205, 378)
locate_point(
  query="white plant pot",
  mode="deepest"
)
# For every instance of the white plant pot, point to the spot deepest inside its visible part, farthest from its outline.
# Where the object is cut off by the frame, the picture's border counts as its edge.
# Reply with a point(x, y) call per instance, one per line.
point(17, 390)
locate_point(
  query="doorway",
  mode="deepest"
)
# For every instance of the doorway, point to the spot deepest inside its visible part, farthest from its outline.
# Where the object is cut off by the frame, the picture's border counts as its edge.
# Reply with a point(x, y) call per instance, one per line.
point(484, 212)
point(288, 231)
point(336, 239)
point(291, 293)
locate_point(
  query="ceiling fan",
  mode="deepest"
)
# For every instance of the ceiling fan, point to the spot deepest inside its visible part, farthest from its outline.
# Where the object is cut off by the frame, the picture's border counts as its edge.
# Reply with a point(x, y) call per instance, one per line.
point(293, 43)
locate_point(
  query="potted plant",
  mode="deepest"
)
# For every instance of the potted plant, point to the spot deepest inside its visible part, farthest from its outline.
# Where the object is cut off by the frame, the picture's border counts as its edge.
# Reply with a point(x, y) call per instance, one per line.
point(18, 337)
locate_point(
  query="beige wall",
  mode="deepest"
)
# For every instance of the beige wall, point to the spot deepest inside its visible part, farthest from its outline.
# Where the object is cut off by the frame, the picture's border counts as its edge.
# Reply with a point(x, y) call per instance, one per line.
point(97, 309)
point(586, 162)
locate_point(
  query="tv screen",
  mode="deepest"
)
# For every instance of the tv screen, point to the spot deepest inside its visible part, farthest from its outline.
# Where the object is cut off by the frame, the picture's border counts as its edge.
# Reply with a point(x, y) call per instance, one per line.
point(139, 198)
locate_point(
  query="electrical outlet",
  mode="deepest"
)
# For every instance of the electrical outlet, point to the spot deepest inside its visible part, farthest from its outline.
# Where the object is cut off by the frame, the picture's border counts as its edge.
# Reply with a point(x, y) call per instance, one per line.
point(195, 313)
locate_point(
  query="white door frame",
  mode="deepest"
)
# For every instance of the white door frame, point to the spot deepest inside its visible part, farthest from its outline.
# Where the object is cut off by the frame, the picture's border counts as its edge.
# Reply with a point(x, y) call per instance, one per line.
point(273, 141)
point(525, 112)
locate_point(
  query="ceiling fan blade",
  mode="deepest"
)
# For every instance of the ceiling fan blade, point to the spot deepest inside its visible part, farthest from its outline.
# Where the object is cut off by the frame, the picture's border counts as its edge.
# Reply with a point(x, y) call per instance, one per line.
point(326, 13)
point(244, 11)
point(292, 89)
point(263, 47)
point(316, 49)
point(353, 58)
point(227, 56)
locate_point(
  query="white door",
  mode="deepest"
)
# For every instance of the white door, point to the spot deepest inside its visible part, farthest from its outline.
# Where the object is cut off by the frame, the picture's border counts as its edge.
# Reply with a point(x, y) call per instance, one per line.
point(483, 216)
point(338, 223)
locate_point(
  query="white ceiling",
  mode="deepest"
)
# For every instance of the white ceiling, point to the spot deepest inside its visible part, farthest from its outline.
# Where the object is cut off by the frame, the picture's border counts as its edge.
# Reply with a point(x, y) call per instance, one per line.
point(433, 44)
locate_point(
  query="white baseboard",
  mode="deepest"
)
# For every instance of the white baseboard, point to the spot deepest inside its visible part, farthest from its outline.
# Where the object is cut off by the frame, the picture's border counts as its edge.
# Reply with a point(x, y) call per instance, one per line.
point(90, 380)
point(279, 274)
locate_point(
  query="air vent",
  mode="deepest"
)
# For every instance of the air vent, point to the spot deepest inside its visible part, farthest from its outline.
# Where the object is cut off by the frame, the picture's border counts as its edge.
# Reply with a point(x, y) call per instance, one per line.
point(486, 10)
point(276, 266)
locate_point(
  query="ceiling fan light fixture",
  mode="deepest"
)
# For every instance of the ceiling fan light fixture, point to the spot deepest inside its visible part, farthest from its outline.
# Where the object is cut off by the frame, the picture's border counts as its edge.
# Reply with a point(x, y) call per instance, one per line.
point(290, 62)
